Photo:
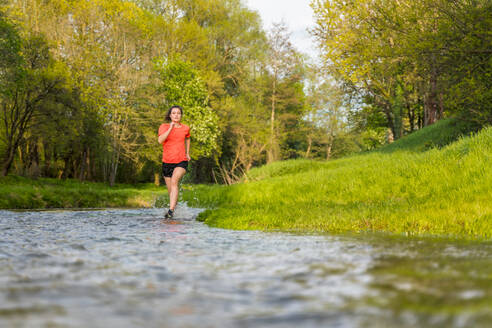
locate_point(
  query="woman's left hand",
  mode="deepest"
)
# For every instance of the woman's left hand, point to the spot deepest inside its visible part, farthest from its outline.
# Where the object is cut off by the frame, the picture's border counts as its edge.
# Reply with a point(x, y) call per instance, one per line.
point(188, 157)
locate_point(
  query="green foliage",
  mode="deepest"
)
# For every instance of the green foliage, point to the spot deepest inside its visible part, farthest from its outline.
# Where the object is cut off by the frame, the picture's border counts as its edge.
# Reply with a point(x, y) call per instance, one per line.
point(182, 85)
point(465, 33)
point(112, 67)
point(101, 125)
point(10, 53)
point(39, 82)
point(369, 122)
point(440, 192)
point(415, 61)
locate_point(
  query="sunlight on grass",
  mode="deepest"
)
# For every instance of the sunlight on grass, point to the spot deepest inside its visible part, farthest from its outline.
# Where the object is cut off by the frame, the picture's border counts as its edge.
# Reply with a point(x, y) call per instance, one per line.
point(400, 189)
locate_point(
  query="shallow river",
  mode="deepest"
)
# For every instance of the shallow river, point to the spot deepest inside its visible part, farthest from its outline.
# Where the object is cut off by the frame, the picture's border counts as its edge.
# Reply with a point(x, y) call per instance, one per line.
point(129, 268)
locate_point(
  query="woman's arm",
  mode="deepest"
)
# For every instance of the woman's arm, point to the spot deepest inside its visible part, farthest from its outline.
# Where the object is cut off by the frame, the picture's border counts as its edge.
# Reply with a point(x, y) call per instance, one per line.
point(164, 136)
point(187, 142)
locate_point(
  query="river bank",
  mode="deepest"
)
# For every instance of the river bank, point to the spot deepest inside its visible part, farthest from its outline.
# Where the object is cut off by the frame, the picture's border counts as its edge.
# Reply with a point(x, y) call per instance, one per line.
point(415, 186)
point(23, 193)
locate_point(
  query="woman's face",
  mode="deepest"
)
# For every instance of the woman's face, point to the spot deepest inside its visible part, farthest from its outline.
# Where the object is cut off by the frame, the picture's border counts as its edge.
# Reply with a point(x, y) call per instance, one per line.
point(175, 115)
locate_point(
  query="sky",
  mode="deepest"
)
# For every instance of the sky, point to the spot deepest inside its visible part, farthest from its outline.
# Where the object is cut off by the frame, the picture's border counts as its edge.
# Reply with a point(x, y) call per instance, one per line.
point(298, 16)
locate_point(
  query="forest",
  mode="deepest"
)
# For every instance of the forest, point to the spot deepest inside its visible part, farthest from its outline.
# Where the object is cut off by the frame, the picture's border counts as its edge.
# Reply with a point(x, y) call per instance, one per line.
point(84, 85)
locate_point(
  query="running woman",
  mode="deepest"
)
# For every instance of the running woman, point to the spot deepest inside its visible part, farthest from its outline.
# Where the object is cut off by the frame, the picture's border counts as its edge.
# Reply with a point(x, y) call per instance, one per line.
point(175, 140)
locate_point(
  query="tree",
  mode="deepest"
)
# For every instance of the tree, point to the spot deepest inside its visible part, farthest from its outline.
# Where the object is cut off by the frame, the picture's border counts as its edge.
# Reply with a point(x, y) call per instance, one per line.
point(182, 85)
point(411, 59)
point(282, 62)
point(34, 79)
point(327, 112)
point(106, 44)
point(114, 93)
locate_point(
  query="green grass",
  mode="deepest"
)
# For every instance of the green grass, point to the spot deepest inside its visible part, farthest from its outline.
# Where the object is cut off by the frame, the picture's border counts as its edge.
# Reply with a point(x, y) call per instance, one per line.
point(408, 187)
point(23, 193)
point(441, 134)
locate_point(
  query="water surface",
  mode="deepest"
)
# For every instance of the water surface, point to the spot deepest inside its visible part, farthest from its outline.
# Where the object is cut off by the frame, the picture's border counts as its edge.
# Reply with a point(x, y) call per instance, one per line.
point(127, 268)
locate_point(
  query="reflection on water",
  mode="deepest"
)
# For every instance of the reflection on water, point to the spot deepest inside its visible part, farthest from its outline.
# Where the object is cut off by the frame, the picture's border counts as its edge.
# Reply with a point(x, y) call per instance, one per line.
point(130, 268)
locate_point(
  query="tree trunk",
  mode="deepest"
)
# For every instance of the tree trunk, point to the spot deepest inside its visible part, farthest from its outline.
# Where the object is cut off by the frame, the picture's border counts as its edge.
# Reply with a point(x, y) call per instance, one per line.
point(271, 154)
point(420, 119)
point(440, 113)
point(7, 163)
point(75, 167)
point(105, 169)
point(67, 168)
point(389, 119)
point(114, 167)
point(83, 165)
point(329, 147)
point(411, 117)
point(112, 174)
point(432, 102)
point(90, 165)
point(34, 160)
point(9, 158)
point(308, 150)
point(23, 159)
point(47, 159)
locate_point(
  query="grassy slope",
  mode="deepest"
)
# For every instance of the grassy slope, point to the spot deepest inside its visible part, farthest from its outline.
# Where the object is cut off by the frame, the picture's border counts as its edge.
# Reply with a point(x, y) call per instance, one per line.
point(23, 193)
point(403, 188)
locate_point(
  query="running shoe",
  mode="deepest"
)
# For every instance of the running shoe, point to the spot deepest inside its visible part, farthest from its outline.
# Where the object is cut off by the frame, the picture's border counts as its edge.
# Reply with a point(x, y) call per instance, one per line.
point(169, 214)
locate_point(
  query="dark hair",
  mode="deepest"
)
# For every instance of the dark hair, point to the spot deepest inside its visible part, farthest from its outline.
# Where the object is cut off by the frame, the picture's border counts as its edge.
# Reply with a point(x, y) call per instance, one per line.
point(168, 115)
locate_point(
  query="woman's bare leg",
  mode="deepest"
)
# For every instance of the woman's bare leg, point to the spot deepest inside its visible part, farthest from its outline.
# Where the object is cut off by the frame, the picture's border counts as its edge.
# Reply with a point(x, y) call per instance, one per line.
point(174, 186)
point(168, 184)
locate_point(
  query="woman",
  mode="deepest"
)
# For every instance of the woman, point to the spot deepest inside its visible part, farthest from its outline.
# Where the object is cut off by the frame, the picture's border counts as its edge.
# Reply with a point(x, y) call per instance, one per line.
point(175, 140)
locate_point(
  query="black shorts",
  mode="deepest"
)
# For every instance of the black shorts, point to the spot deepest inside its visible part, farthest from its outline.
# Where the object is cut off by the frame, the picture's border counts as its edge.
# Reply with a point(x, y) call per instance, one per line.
point(168, 168)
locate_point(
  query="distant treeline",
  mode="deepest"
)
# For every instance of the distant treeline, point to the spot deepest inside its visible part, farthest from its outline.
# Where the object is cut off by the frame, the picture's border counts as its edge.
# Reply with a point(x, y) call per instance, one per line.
point(410, 62)
point(84, 85)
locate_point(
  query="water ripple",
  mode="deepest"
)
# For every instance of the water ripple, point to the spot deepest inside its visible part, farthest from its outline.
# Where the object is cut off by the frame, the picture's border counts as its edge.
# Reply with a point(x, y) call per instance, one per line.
point(127, 268)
